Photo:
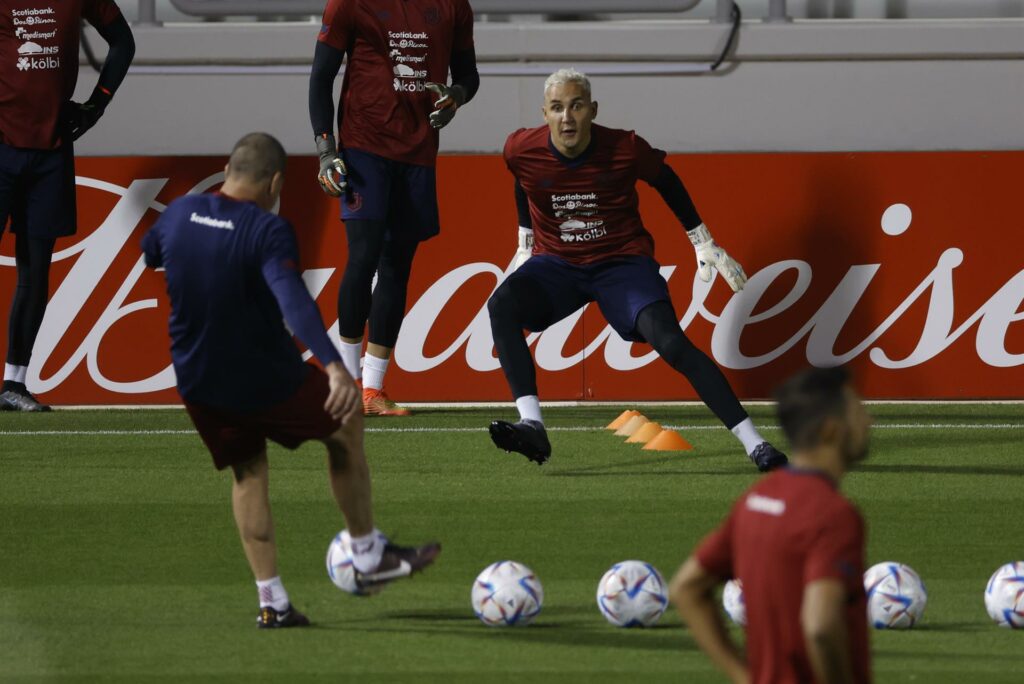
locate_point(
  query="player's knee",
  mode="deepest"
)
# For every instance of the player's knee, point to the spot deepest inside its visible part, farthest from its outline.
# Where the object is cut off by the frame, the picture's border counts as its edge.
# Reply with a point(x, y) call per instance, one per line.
point(677, 351)
point(501, 306)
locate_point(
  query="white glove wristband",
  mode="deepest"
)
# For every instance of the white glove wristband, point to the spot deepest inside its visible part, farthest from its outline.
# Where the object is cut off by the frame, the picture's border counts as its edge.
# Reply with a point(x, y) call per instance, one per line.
point(525, 239)
point(699, 235)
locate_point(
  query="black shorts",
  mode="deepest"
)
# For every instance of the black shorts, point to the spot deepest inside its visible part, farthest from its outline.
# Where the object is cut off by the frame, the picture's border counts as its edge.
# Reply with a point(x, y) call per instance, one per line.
point(37, 191)
point(403, 196)
point(622, 286)
point(234, 438)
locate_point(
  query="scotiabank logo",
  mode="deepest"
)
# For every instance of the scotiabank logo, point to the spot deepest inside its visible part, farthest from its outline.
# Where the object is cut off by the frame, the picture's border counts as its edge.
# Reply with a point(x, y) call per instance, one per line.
point(797, 299)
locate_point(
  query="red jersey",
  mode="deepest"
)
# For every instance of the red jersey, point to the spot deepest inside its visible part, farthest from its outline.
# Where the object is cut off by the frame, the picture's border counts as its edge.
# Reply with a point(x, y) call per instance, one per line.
point(791, 528)
point(585, 209)
point(39, 65)
point(393, 48)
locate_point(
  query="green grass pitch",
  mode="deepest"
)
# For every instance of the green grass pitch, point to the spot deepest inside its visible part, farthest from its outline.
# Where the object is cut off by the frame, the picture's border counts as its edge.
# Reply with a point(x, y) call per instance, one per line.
point(119, 560)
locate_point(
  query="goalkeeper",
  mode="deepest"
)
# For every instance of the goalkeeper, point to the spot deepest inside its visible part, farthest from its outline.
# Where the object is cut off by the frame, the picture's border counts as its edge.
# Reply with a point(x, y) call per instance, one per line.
point(581, 240)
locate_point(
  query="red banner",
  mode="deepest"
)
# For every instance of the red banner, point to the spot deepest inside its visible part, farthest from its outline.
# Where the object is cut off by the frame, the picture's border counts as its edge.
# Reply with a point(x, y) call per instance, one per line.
point(906, 266)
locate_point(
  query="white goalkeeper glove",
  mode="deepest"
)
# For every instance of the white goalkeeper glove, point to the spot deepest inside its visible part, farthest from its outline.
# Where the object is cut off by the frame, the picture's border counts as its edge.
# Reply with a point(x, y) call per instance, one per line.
point(525, 250)
point(333, 174)
point(710, 255)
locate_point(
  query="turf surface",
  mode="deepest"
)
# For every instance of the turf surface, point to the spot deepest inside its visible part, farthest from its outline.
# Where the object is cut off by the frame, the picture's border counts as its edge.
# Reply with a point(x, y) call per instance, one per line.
point(119, 560)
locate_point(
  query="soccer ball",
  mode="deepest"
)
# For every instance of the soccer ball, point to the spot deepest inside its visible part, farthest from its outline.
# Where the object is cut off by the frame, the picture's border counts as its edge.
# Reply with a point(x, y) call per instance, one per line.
point(339, 565)
point(507, 594)
point(1004, 596)
point(632, 594)
point(896, 596)
point(734, 603)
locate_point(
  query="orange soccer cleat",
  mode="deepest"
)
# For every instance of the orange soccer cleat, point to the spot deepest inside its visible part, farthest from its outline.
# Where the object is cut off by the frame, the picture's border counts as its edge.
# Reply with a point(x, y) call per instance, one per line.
point(377, 403)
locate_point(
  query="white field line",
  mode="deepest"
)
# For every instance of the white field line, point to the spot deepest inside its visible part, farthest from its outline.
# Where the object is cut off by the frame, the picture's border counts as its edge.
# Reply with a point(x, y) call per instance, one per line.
point(579, 404)
point(396, 430)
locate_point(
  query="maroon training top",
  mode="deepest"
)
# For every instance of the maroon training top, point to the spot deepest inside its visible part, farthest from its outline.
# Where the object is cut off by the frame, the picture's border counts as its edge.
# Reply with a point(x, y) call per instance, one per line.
point(585, 209)
point(791, 528)
point(393, 48)
point(39, 64)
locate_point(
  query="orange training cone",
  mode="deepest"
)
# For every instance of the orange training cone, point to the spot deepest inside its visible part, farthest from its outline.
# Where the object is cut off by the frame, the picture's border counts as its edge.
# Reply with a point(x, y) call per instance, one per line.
point(646, 433)
point(631, 426)
point(668, 440)
point(621, 420)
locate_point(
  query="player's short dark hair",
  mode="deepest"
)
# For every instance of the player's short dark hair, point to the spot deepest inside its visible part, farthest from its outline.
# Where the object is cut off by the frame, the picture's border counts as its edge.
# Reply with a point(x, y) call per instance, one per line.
point(257, 156)
point(807, 400)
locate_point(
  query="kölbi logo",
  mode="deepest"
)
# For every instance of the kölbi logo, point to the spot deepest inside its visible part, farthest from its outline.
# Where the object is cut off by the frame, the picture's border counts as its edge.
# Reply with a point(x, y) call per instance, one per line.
point(408, 86)
point(25, 63)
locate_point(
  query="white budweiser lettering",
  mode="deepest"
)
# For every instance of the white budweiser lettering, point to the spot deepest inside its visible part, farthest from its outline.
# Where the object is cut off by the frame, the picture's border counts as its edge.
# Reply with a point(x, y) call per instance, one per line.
point(95, 254)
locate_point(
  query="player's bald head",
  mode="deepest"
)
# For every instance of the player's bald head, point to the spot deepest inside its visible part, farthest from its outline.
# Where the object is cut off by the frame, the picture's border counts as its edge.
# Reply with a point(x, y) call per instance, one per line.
point(257, 157)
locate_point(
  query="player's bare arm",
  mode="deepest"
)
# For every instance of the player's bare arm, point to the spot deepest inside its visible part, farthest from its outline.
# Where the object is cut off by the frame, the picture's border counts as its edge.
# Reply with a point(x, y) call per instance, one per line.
point(691, 591)
point(824, 628)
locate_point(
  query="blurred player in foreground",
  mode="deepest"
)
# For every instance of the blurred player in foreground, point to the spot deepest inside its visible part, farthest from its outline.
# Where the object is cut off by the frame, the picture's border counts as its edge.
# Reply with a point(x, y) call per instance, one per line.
point(232, 270)
point(38, 125)
point(399, 54)
point(579, 219)
point(797, 545)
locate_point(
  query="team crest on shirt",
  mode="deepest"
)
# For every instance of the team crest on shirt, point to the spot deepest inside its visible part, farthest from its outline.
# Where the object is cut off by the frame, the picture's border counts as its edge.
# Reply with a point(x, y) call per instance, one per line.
point(354, 202)
point(432, 15)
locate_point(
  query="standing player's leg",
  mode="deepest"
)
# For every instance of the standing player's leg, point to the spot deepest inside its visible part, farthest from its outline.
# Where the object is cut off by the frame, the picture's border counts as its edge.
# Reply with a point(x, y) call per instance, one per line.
point(32, 258)
point(538, 294)
point(365, 244)
point(365, 206)
point(250, 502)
point(412, 217)
point(386, 313)
point(233, 443)
point(658, 325)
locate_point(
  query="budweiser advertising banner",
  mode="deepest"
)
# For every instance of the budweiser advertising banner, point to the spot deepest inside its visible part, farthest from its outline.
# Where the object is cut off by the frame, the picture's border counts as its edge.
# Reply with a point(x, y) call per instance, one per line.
point(907, 266)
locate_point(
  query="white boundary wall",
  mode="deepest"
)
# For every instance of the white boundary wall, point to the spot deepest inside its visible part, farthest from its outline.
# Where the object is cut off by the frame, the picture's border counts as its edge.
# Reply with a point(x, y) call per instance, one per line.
point(804, 86)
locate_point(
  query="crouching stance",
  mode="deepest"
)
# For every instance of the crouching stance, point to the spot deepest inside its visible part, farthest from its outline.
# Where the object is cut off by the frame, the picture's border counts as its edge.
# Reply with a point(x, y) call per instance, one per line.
point(232, 271)
point(581, 241)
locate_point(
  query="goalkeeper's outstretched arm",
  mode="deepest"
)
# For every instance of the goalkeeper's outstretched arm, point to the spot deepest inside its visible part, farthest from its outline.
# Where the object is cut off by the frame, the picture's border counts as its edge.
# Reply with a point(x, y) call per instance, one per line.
point(709, 254)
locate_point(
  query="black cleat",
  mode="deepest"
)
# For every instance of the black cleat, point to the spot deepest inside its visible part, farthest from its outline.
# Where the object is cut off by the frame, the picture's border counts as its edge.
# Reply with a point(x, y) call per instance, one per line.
point(527, 437)
point(766, 457)
point(269, 618)
point(395, 563)
point(17, 398)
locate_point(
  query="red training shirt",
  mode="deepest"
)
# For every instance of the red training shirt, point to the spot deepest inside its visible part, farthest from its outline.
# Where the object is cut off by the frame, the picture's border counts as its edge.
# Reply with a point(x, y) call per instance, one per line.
point(585, 209)
point(39, 65)
point(393, 48)
point(791, 528)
